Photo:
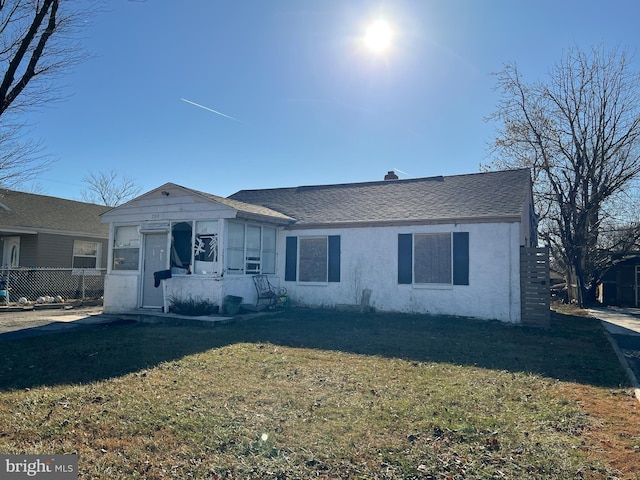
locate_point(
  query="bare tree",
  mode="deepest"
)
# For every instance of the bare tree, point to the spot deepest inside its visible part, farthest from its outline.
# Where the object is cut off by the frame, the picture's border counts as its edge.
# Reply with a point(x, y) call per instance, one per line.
point(109, 188)
point(36, 45)
point(579, 133)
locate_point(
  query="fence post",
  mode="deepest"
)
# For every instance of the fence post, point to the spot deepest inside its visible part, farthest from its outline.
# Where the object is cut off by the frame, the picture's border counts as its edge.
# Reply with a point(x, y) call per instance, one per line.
point(534, 286)
point(83, 285)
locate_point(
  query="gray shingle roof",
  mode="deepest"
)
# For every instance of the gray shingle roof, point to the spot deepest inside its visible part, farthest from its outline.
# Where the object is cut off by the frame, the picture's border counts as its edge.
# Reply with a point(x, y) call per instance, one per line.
point(477, 196)
point(26, 211)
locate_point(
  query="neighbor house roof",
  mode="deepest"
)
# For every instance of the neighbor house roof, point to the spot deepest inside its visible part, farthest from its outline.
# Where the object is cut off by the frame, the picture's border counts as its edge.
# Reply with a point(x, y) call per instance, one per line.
point(30, 213)
point(474, 197)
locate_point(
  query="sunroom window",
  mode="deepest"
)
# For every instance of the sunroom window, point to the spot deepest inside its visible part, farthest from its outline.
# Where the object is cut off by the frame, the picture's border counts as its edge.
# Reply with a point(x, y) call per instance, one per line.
point(235, 248)
point(254, 246)
point(251, 249)
point(126, 248)
point(181, 247)
point(205, 248)
point(194, 250)
point(268, 250)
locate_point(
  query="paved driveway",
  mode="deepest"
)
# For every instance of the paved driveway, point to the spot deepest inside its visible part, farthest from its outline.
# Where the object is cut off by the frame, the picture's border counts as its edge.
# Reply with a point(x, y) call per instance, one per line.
point(24, 323)
point(623, 324)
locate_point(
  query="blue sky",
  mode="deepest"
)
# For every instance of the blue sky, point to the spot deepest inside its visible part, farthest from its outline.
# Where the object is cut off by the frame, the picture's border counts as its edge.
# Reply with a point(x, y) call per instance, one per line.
point(309, 103)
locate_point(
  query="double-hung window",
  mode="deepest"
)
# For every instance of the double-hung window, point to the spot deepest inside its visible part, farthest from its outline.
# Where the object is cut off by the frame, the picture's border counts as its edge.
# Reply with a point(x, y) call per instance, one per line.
point(433, 258)
point(251, 249)
point(313, 259)
point(85, 254)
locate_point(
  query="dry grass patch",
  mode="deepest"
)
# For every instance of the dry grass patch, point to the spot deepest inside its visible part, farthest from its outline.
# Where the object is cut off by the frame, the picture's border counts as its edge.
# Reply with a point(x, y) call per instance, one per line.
point(314, 395)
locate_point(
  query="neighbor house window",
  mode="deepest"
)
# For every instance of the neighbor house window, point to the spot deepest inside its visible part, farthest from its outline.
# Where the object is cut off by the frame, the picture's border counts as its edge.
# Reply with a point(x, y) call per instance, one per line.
point(313, 259)
point(85, 254)
point(251, 249)
point(433, 258)
point(126, 248)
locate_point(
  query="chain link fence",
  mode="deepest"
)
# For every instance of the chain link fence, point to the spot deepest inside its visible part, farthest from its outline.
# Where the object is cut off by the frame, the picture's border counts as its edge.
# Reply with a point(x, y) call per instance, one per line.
point(51, 285)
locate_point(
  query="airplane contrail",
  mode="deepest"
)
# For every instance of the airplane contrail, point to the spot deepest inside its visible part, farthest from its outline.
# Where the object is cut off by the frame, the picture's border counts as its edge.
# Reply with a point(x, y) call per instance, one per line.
point(211, 110)
point(400, 171)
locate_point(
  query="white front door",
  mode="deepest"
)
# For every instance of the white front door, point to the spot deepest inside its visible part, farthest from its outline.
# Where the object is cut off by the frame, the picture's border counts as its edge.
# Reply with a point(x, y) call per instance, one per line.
point(155, 259)
point(11, 253)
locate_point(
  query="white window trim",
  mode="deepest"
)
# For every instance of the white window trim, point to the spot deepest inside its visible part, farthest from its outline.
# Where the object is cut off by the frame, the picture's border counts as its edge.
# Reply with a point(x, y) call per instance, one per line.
point(113, 248)
point(97, 256)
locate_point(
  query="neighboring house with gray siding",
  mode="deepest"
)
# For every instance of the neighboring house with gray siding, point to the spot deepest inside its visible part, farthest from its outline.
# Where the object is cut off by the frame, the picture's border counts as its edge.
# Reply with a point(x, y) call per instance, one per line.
point(44, 231)
point(441, 245)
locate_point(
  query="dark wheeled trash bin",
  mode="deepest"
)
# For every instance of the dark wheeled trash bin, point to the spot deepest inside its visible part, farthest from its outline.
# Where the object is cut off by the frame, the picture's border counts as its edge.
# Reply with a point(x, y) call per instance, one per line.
point(231, 305)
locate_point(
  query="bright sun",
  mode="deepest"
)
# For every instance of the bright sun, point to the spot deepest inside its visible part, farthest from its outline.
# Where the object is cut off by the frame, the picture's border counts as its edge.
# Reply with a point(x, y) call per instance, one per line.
point(378, 36)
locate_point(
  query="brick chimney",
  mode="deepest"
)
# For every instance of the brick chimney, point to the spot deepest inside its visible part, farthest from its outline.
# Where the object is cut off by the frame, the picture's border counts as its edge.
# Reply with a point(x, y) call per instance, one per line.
point(391, 175)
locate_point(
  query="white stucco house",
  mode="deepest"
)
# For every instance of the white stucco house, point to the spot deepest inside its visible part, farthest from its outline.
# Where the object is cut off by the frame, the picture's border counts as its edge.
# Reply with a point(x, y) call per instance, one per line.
point(440, 245)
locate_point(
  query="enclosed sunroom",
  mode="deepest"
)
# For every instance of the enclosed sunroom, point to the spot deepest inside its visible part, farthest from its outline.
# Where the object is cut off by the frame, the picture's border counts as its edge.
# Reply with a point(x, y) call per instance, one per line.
point(178, 243)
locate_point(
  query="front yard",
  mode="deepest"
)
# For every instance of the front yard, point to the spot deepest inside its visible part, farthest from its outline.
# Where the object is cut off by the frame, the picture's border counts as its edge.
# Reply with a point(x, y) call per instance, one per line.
point(312, 394)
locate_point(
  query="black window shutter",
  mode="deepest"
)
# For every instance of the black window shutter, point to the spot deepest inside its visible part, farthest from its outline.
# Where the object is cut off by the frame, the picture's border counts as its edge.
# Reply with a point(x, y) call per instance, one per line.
point(405, 258)
point(334, 258)
point(461, 258)
point(291, 259)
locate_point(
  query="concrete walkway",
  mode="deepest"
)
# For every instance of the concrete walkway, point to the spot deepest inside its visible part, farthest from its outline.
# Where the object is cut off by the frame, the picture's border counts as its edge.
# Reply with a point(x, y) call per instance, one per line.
point(622, 327)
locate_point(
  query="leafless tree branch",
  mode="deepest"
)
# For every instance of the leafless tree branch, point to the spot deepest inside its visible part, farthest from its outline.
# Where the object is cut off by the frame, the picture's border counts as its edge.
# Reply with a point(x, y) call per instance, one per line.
point(38, 43)
point(109, 188)
point(579, 133)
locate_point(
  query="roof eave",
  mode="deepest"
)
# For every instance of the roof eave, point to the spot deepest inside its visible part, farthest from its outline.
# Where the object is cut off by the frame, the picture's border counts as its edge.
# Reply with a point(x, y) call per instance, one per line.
point(264, 218)
point(404, 223)
point(36, 230)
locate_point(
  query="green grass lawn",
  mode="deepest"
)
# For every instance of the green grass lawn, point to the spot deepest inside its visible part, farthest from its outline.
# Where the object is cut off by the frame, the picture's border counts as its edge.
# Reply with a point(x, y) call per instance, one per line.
point(310, 394)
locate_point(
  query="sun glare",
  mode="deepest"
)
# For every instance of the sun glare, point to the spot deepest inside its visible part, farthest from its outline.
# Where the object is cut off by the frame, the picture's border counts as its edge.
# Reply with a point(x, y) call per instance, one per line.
point(378, 36)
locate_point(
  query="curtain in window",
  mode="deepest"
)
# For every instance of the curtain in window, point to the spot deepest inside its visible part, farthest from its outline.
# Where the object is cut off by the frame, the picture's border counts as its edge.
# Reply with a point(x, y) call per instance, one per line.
point(431, 261)
point(312, 259)
point(181, 233)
